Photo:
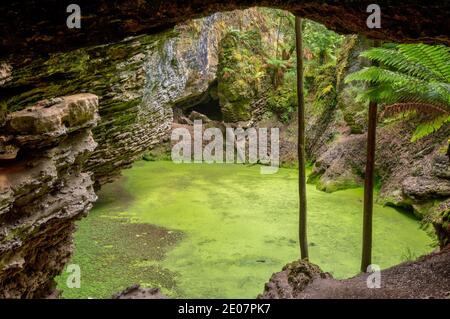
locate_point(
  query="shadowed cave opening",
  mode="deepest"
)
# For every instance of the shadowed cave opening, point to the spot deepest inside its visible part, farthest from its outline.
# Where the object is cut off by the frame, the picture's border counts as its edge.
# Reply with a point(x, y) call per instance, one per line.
point(210, 108)
point(206, 103)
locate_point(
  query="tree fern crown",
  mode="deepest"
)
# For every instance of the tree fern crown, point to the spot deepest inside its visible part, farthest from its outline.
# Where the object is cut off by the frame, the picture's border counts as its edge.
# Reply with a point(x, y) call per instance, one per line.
point(410, 79)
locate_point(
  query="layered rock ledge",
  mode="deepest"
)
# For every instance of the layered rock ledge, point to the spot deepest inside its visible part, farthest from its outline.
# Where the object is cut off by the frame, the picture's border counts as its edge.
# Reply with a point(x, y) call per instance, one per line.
point(138, 81)
point(44, 188)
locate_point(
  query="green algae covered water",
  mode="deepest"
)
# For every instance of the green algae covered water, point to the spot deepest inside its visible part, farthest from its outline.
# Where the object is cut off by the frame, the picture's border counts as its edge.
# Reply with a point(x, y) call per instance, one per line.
point(221, 230)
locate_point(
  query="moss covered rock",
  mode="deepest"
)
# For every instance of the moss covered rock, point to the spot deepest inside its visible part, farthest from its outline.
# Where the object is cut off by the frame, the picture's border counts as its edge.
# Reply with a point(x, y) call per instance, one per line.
point(349, 61)
point(241, 74)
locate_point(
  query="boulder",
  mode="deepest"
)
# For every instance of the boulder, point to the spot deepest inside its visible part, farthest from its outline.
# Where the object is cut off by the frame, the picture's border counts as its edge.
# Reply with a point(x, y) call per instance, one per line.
point(426, 188)
point(198, 116)
point(292, 280)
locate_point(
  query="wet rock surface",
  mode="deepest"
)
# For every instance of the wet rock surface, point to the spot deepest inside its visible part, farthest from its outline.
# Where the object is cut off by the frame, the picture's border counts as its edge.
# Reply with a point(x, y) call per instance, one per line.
point(44, 188)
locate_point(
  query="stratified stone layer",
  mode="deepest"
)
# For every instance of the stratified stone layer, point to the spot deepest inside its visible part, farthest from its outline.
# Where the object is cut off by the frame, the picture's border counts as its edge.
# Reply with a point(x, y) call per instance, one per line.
point(44, 188)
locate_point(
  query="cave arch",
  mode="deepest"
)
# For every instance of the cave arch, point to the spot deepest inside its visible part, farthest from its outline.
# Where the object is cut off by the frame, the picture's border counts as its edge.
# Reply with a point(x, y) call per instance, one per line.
point(42, 26)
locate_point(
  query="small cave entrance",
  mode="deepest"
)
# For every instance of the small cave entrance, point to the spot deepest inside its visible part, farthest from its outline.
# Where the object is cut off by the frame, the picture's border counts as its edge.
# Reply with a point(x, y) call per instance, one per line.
point(209, 108)
point(206, 103)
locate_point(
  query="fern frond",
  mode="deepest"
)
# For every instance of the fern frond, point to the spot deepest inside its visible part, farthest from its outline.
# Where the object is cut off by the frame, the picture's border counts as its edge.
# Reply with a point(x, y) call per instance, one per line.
point(398, 61)
point(412, 79)
point(436, 58)
point(377, 75)
point(389, 86)
point(425, 92)
point(422, 108)
point(425, 129)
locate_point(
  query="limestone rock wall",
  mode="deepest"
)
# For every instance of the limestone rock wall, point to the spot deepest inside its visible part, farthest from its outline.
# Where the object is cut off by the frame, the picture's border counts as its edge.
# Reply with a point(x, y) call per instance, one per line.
point(138, 80)
point(44, 188)
point(56, 152)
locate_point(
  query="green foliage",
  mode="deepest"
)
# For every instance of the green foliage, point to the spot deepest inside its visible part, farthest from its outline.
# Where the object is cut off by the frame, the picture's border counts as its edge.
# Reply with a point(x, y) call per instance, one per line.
point(318, 41)
point(411, 79)
point(425, 129)
point(278, 63)
point(251, 67)
point(323, 43)
point(284, 25)
point(283, 100)
point(323, 85)
point(160, 152)
point(241, 74)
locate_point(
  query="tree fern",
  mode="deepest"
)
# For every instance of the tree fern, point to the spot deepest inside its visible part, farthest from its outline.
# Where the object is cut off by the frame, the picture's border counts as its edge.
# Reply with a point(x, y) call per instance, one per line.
point(410, 78)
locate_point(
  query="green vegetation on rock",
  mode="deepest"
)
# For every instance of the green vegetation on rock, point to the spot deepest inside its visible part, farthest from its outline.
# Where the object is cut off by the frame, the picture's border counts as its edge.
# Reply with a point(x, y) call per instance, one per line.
point(240, 74)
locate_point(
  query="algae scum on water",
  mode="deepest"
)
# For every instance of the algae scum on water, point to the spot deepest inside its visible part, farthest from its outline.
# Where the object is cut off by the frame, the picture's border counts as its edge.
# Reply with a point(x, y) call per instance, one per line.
point(221, 230)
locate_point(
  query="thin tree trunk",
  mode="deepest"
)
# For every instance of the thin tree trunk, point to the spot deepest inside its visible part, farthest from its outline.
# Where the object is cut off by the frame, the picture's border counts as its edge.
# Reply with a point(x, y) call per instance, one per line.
point(301, 143)
point(278, 37)
point(366, 259)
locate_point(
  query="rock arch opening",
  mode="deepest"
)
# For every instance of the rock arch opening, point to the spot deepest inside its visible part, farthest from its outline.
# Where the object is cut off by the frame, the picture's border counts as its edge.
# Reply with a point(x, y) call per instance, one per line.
point(45, 30)
point(129, 118)
point(206, 103)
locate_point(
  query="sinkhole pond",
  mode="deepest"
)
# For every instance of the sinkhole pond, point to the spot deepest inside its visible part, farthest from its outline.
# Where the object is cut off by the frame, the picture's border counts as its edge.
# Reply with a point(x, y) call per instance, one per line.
point(221, 230)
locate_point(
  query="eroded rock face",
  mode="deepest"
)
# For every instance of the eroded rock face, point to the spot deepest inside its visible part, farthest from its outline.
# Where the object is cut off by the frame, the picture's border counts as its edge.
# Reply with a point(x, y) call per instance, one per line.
point(426, 187)
point(44, 188)
point(441, 166)
point(341, 166)
point(138, 81)
point(5, 72)
point(42, 26)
